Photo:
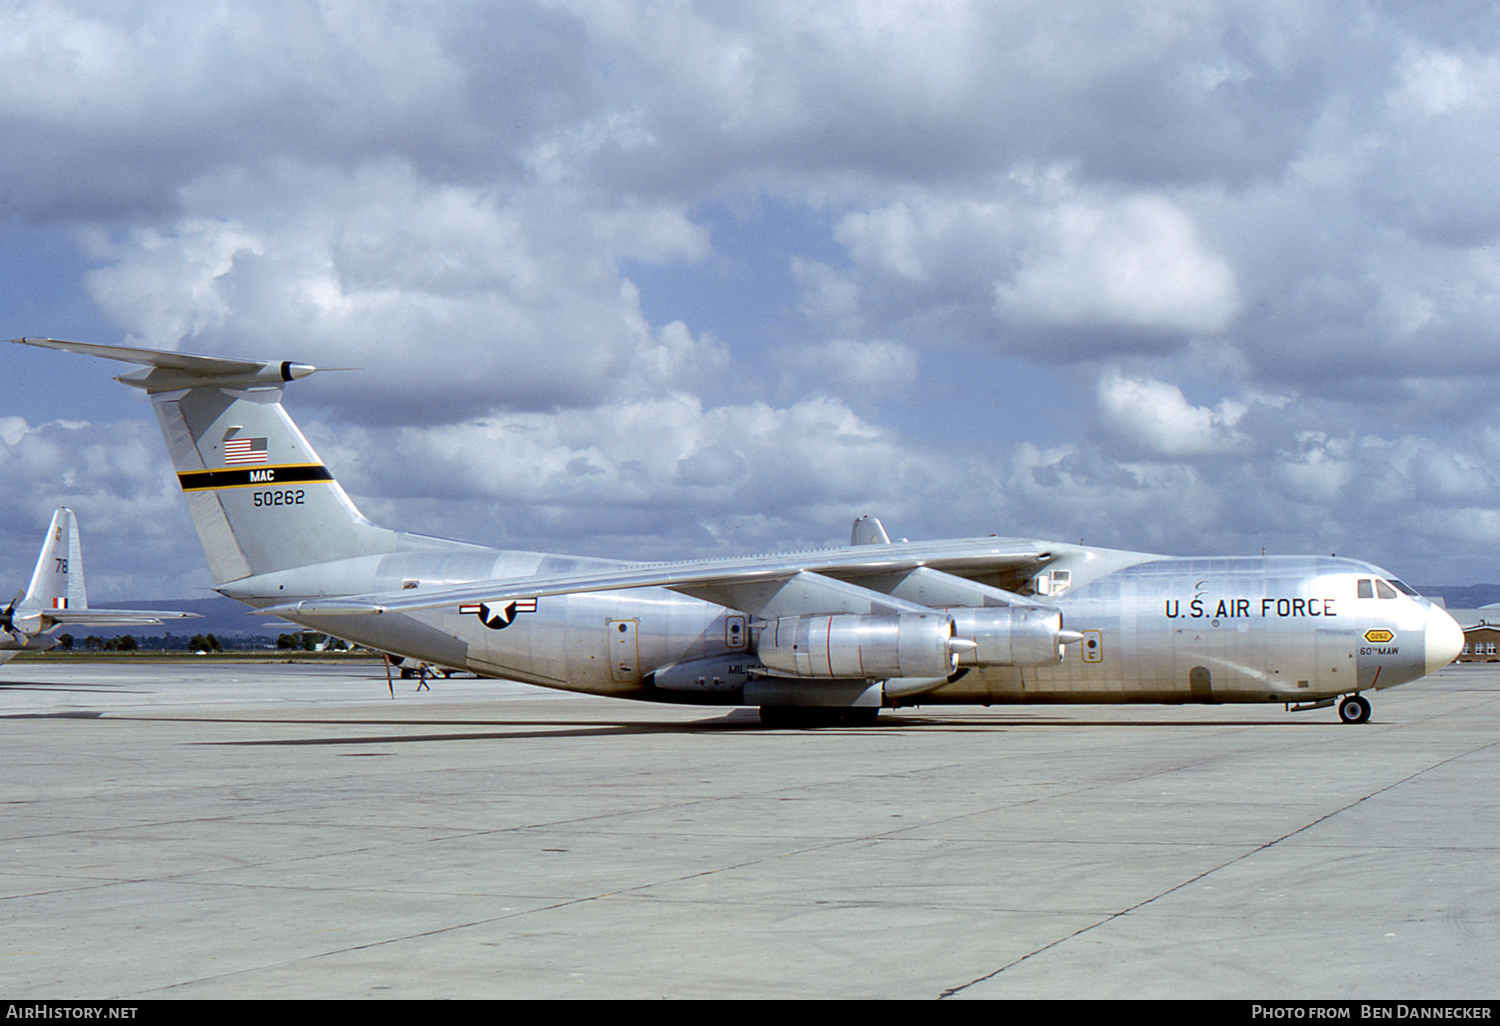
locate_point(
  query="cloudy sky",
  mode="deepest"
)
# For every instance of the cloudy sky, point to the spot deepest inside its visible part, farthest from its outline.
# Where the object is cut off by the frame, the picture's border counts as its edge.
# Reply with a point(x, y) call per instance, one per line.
point(672, 279)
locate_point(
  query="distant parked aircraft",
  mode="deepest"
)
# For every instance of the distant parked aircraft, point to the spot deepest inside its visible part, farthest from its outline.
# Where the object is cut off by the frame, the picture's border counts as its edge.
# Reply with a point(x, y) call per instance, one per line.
point(56, 597)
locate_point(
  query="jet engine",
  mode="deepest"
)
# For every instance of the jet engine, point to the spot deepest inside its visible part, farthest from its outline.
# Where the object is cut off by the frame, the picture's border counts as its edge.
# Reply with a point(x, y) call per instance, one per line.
point(916, 645)
point(1012, 635)
point(853, 646)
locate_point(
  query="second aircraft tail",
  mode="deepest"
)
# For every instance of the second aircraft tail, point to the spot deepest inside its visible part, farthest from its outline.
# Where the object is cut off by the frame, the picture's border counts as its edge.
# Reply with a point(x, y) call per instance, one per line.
point(57, 581)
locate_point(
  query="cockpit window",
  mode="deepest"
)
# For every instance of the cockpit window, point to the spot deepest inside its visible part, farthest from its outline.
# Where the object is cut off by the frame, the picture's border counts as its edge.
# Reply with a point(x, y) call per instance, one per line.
point(1366, 589)
point(1403, 588)
point(1384, 590)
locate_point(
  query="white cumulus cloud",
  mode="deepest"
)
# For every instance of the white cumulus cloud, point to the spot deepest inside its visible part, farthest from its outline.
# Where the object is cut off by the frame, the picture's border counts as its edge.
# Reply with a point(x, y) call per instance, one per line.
point(1138, 263)
point(1158, 419)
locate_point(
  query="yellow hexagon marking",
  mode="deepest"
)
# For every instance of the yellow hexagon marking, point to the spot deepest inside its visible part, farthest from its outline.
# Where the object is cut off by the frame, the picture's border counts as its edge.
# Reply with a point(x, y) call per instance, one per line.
point(1376, 636)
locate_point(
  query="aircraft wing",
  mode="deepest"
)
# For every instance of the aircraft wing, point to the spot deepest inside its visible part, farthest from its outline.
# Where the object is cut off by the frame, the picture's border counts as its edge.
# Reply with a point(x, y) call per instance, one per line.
point(825, 580)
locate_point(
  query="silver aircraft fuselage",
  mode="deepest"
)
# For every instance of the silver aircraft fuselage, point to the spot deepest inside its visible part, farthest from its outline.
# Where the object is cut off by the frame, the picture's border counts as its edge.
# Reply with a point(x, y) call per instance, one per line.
point(858, 627)
point(1287, 629)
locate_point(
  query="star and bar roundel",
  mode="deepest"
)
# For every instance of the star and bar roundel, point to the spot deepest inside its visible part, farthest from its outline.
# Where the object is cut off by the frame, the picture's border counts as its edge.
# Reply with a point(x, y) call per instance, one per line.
point(499, 616)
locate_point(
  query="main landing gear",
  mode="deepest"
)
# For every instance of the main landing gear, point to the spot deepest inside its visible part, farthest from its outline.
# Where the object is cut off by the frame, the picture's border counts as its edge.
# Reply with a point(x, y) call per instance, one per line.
point(1354, 709)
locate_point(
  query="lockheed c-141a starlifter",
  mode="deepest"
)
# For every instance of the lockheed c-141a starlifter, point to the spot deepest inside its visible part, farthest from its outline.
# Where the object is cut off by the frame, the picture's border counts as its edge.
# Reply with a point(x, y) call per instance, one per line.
point(835, 634)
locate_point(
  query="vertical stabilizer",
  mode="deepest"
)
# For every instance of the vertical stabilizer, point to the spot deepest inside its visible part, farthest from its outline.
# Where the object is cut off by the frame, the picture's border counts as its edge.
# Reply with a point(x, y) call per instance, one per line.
point(57, 582)
point(260, 497)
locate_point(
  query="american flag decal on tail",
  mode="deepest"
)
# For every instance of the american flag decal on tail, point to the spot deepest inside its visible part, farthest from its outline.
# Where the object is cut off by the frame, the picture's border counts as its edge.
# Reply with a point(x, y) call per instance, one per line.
point(244, 450)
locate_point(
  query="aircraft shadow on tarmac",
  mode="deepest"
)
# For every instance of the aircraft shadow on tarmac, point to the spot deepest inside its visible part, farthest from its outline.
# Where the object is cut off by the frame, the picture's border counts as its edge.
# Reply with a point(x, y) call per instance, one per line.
point(26, 685)
point(737, 721)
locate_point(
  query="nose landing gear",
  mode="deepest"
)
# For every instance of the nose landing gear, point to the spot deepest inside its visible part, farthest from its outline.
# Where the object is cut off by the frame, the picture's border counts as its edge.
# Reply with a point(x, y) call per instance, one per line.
point(1354, 709)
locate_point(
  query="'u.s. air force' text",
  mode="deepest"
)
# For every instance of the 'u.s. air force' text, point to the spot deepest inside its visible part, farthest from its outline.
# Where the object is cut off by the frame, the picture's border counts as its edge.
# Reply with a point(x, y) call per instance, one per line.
point(1233, 608)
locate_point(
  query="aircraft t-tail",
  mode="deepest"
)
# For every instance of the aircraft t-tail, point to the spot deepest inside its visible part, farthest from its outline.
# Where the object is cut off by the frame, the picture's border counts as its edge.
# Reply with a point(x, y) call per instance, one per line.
point(831, 635)
point(56, 597)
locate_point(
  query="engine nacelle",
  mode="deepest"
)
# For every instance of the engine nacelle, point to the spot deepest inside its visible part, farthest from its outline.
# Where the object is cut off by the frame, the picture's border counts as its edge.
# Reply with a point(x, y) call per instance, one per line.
point(849, 646)
point(25, 623)
point(1011, 635)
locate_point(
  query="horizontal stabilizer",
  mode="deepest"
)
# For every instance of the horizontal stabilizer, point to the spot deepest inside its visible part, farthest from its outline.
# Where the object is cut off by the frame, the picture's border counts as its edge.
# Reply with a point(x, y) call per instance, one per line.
point(167, 371)
point(92, 617)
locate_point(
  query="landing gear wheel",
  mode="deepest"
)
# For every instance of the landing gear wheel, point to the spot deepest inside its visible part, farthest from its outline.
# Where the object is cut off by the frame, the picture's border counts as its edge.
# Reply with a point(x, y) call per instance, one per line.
point(775, 716)
point(1354, 709)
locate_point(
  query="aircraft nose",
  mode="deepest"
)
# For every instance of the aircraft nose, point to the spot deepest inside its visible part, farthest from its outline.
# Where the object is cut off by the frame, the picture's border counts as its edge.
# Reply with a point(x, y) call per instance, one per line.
point(1445, 639)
